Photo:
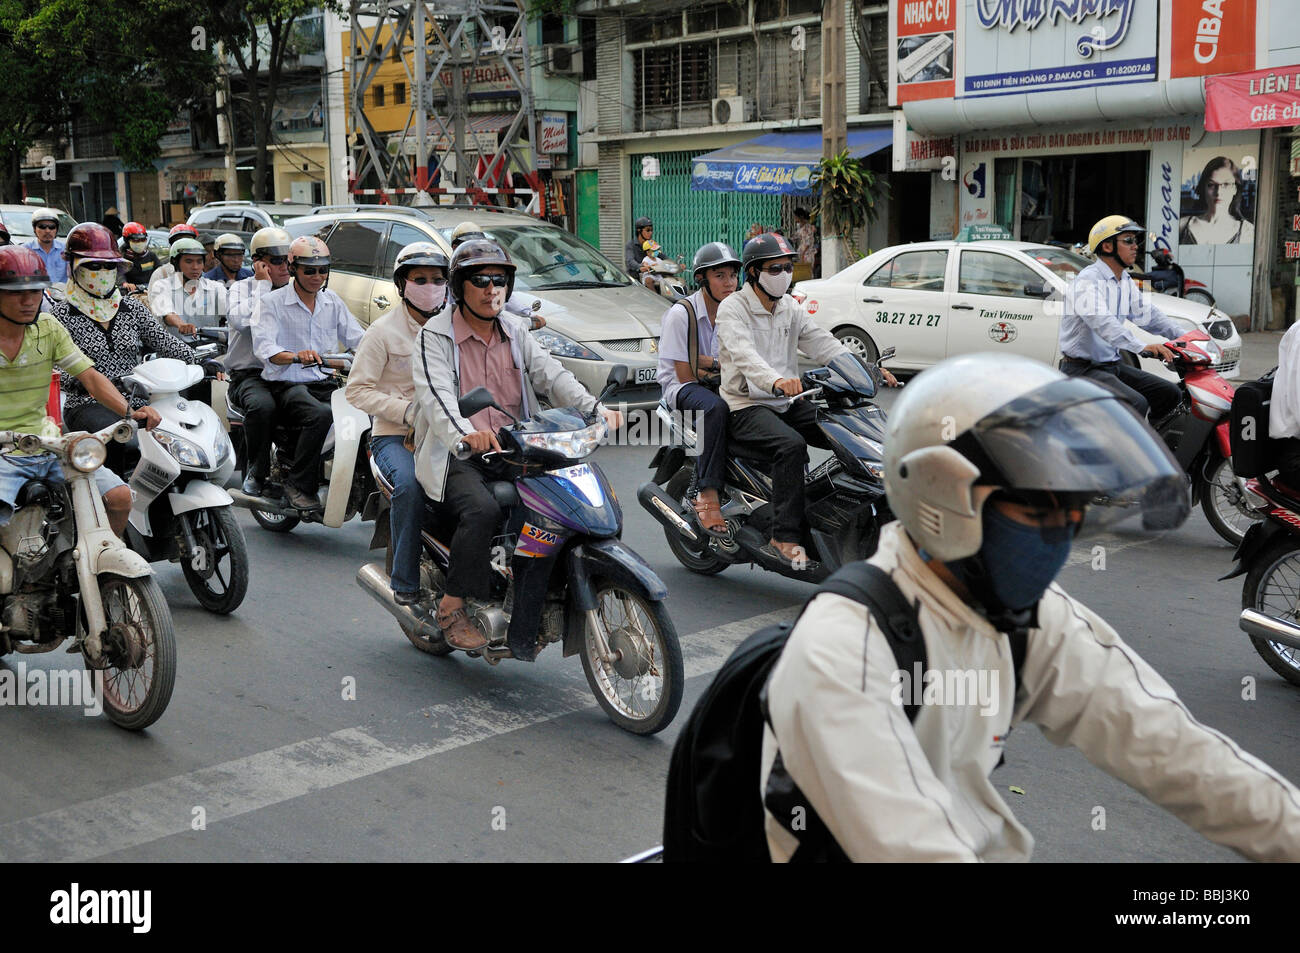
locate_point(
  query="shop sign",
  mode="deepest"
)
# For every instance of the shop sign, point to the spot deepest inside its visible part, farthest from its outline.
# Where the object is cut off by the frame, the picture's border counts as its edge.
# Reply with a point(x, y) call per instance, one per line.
point(922, 50)
point(914, 152)
point(1075, 42)
point(1253, 100)
point(555, 133)
point(1212, 36)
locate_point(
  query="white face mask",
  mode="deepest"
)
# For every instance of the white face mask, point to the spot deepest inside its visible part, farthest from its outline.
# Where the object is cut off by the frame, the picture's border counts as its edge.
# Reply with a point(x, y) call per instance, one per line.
point(426, 297)
point(98, 283)
point(775, 285)
point(138, 245)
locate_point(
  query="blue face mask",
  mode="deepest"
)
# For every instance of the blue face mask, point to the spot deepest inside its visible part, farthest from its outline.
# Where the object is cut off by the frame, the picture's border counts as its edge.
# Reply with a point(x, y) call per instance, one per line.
point(1020, 564)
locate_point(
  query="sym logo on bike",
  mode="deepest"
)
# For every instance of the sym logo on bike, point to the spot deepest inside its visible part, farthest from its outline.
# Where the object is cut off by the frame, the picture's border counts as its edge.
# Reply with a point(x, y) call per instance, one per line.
point(1002, 332)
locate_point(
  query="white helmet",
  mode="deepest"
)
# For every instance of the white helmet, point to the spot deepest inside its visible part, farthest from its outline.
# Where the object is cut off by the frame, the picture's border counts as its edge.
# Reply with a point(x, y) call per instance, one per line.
point(45, 215)
point(976, 424)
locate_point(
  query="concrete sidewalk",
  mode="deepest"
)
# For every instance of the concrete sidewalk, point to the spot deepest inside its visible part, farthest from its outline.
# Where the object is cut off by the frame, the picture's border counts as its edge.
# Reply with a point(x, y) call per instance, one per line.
point(1258, 354)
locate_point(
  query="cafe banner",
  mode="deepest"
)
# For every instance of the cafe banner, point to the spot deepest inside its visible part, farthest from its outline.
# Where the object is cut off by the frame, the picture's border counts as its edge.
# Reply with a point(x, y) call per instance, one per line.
point(1269, 97)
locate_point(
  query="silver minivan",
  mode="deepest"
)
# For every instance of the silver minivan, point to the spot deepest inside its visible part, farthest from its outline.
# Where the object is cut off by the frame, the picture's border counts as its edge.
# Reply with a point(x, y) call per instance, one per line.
point(596, 316)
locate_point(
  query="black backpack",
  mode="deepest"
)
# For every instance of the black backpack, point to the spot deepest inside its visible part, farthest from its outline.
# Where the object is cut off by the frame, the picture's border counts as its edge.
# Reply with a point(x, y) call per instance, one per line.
point(1252, 448)
point(713, 811)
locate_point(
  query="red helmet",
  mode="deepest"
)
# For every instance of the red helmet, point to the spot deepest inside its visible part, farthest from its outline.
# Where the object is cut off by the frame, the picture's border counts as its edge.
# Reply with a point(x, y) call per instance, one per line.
point(21, 269)
point(134, 230)
point(182, 231)
point(92, 240)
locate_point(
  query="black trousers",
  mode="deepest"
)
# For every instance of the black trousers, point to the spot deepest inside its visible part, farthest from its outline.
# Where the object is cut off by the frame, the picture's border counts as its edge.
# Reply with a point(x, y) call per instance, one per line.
point(253, 394)
point(1285, 452)
point(783, 439)
point(305, 407)
point(470, 503)
point(1145, 393)
point(711, 466)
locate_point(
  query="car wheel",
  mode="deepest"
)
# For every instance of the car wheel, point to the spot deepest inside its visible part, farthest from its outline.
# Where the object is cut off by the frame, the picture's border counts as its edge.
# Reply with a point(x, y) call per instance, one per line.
point(858, 342)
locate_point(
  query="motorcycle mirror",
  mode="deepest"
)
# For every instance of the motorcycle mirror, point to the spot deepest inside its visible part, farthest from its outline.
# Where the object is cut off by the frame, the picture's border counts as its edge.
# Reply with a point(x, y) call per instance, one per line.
point(136, 388)
point(617, 378)
point(886, 354)
point(480, 398)
point(1033, 290)
point(537, 305)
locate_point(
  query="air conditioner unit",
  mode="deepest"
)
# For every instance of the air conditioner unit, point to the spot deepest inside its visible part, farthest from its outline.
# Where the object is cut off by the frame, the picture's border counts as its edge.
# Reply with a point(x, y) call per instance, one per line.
point(728, 109)
point(563, 59)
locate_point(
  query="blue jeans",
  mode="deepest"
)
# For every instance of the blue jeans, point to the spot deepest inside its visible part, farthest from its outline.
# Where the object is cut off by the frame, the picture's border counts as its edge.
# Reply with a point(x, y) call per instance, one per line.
point(16, 470)
point(406, 513)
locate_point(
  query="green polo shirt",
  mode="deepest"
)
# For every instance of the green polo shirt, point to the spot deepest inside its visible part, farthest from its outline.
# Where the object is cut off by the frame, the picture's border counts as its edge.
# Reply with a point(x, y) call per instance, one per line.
point(25, 381)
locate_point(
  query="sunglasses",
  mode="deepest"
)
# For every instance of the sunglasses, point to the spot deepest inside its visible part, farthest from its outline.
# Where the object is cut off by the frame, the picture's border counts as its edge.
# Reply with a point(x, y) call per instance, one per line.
point(309, 270)
point(99, 266)
point(788, 267)
point(482, 281)
point(437, 281)
point(1129, 240)
point(276, 259)
point(45, 226)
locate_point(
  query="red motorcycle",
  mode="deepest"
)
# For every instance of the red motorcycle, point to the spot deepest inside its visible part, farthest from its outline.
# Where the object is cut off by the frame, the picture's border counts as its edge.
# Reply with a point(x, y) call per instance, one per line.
point(1269, 557)
point(1198, 435)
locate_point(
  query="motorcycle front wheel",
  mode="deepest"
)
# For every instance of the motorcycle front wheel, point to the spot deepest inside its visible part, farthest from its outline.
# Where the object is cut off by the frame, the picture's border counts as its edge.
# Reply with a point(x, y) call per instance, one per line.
point(139, 666)
point(217, 572)
point(1273, 587)
point(1224, 502)
point(641, 688)
point(1199, 296)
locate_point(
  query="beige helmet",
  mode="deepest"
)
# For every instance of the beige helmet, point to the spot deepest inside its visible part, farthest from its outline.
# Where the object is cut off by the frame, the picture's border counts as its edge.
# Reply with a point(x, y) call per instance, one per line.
point(270, 242)
point(308, 250)
point(1110, 227)
point(464, 232)
point(979, 423)
point(228, 242)
point(45, 215)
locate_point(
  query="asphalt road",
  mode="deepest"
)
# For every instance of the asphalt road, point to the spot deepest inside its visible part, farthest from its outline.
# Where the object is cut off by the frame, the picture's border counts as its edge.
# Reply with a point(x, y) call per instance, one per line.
point(261, 757)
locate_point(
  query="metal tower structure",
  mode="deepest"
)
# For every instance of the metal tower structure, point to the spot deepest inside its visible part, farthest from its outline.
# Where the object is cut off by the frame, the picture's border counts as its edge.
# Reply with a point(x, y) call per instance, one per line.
point(454, 53)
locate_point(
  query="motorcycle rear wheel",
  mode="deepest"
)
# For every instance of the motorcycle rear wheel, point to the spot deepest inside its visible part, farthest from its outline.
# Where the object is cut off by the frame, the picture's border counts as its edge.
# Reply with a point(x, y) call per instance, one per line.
point(275, 522)
point(1273, 587)
point(650, 667)
point(1224, 503)
point(435, 645)
point(140, 651)
point(704, 564)
point(220, 528)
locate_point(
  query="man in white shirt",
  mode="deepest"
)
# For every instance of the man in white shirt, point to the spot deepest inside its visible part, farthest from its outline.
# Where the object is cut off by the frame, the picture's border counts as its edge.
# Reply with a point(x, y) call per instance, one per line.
point(291, 327)
point(185, 300)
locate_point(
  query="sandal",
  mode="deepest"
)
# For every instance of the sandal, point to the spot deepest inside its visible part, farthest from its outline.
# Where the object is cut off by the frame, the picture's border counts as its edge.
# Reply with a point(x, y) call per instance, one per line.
point(458, 631)
point(715, 526)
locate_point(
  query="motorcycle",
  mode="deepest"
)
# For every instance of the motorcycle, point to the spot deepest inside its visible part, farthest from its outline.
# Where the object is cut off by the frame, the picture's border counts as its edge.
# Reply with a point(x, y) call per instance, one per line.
point(1269, 557)
point(1199, 436)
point(846, 505)
point(1167, 277)
point(667, 283)
point(343, 470)
point(559, 571)
point(64, 574)
point(180, 510)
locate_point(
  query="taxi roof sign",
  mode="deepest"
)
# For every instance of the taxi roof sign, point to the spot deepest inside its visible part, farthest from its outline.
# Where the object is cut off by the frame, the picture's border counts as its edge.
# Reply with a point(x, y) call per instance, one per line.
point(978, 233)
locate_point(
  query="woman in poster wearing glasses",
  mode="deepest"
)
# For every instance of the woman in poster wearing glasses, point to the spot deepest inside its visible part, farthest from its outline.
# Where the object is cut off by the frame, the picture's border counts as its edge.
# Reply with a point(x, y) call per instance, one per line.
point(1221, 221)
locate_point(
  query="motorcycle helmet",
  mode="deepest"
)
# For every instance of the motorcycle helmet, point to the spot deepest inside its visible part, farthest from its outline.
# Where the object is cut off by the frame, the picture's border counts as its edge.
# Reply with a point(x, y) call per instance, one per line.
point(185, 246)
point(227, 243)
point(763, 248)
point(476, 254)
point(417, 254)
point(92, 240)
point(464, 232)
point(182, 231)
point(641, 223)
point(712, 255)
point(308, 250)
point(134, 230)
point(270, 242)
point(21, 269)
point(1112, 226)
point(45, 215)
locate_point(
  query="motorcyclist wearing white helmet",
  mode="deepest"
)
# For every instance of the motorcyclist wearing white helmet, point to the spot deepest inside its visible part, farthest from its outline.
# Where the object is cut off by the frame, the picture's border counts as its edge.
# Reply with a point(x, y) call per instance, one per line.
point(47, 244)
point(185, 300)
point(994, 465)
point(229, 250)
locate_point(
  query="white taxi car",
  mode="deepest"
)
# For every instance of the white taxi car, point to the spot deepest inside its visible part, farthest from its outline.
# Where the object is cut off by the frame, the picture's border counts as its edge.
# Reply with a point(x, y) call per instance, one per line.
point(931, 300)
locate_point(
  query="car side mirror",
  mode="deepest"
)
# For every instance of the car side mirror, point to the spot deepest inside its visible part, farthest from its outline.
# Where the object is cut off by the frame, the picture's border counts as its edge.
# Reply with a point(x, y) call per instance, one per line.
point(1037, 291)
point(480, 398)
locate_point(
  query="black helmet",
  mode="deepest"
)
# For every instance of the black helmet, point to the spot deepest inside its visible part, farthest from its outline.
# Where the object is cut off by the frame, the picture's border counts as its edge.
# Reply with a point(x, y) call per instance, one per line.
point(417, 255)
point(711, 256)
point(476, 254)
point(641, 223)
point(763, 247)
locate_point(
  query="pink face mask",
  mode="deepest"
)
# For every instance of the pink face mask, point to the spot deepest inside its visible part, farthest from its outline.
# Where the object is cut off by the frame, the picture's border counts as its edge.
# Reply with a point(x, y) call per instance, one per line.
point(427, 297)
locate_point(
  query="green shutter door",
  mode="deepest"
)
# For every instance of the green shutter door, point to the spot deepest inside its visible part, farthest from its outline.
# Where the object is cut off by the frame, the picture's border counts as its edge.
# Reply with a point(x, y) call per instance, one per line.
point(685, 218)
point(587, 198)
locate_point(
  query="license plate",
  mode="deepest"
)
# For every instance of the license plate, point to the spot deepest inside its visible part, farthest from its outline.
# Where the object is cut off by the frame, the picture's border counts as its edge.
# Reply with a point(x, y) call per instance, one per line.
point(646, 375)
point(1231, 354)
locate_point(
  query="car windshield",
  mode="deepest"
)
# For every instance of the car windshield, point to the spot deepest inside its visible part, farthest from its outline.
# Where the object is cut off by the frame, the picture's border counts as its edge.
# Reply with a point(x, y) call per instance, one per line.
point(550, 258)
point(1064, 263)
point(18, 219)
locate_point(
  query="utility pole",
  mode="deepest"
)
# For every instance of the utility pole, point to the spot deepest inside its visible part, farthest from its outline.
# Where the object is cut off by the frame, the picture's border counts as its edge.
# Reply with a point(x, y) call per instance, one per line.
point(226, 122)
point(834, 133)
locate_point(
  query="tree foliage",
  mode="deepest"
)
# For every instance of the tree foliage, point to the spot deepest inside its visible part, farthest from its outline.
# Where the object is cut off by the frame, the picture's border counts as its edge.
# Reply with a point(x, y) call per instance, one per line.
point(846, 191)
point(129, 65)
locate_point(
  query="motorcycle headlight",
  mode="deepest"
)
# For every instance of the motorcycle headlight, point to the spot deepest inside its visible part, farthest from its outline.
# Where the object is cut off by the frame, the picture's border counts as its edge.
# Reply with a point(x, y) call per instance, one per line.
point(561, 346)
point(87, 454)
point(573, 444)
point(223, 447)
point(186, 452)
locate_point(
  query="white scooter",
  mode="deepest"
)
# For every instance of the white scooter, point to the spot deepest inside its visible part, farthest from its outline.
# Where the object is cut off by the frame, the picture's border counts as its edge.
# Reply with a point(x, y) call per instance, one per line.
point(181, 511)
point(667, 283)
point(64, 574)
point(344, 467)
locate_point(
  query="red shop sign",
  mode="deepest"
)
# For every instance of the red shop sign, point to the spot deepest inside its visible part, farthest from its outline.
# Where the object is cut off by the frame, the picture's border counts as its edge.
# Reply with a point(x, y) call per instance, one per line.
point(1266, 97)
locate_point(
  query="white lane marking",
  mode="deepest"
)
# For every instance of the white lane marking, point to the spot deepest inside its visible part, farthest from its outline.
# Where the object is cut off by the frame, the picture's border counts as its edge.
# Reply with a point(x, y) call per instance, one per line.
point(163, 808)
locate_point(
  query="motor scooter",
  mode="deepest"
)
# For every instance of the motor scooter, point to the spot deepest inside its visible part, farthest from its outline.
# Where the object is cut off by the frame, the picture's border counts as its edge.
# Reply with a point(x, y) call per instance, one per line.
point(64, 574)
point(559, 571)
point(667, 283)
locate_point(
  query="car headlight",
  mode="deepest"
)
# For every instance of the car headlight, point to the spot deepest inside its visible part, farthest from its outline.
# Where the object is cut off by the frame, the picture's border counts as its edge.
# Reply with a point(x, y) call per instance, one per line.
point(87, 453)
point(186, 452)
point(572, 444)
point(561, 346)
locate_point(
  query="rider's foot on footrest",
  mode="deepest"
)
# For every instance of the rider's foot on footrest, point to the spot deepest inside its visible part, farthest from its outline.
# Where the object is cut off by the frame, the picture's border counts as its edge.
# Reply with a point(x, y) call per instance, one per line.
point(301, 500)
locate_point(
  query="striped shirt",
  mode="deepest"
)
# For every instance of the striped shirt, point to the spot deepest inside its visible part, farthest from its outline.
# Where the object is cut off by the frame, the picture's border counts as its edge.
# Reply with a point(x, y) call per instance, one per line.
point(25, 381)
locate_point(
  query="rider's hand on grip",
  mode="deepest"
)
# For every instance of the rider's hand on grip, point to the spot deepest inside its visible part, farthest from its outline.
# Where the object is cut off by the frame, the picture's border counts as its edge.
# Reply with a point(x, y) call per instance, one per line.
point(307, 357)
point(1158, 350)
point(150, 417)
point(481, 441)
point(789, 386)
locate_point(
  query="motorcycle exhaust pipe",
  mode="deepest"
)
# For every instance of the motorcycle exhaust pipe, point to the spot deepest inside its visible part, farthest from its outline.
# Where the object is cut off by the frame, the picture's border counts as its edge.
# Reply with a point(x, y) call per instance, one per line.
point(1273, 630)
point(372, 578)
point(661, 506)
